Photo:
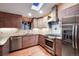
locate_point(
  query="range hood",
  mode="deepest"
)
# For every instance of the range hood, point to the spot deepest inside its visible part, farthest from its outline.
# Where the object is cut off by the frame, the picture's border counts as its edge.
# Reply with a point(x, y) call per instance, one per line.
point(50, 23)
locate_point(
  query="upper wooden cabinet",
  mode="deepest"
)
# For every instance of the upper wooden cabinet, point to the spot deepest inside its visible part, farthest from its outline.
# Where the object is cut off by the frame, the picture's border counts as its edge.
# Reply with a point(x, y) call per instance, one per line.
point(73, 10)
point(68, 20)
point(10, 20)
point(70, 15)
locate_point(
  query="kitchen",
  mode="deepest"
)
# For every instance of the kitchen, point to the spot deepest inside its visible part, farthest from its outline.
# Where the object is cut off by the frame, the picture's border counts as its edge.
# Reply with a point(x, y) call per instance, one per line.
point(28, 28)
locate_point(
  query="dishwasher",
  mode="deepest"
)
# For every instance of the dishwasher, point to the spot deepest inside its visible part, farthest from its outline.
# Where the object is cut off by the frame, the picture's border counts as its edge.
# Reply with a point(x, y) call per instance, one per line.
point(15, 43)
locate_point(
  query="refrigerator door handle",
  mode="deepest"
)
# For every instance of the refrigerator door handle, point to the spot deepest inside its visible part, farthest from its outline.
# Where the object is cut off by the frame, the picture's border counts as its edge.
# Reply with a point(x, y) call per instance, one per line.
point(73, 36)
point(76, 28)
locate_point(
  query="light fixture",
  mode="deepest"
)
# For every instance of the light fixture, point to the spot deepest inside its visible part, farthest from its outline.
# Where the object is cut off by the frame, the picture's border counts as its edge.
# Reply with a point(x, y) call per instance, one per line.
point(29, 14)
point(40, 11)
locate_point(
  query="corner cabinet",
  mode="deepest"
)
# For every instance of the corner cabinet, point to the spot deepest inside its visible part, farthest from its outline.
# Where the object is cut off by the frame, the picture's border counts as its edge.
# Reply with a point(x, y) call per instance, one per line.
point(4, 49)
point(42, 40)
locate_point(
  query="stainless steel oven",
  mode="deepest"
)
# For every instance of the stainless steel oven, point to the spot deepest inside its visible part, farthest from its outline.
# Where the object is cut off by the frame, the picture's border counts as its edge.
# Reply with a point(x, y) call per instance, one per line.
point(49, 43)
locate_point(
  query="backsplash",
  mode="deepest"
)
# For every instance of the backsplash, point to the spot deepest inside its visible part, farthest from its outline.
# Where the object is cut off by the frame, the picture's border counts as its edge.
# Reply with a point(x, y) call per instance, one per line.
point(56, 29)
point(8, 30)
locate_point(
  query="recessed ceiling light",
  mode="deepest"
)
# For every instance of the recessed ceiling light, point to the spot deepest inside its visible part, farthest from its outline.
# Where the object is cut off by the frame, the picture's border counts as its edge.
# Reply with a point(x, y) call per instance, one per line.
point(40, 11)
point(29, 14)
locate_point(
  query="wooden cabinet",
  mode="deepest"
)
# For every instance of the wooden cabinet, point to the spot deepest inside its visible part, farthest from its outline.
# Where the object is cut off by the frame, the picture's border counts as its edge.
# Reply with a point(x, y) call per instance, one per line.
point(34, 39)
point(69, 15)
point(69, 20)
point(26, 41)
point(73, 10)
point(1, 22)
point(58, 47)
point(30, 40)
point(19, 42)
point(42, 40)
point(77, 19)
point(10, 20)
point(4, 50)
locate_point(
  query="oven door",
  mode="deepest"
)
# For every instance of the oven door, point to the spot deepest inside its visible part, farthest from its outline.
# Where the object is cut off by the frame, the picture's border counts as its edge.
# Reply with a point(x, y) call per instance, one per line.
point(49, 43)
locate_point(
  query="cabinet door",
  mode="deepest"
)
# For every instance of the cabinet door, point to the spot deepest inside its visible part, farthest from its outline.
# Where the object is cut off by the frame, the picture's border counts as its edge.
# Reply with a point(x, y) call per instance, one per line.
point(34, 39)
point(58, 47)
point(42, 40)
point(7, 23)
point(30, 40)
point(10, 20)
point(26, 41)
point(1, 23)
point(68, 20)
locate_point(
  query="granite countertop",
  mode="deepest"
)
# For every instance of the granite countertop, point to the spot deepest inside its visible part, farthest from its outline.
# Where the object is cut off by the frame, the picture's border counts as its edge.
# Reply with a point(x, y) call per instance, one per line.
point(52, 37)
point(4, 37)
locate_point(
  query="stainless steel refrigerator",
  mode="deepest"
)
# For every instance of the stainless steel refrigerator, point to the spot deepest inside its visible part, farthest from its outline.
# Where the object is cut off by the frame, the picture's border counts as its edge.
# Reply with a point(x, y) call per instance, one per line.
point(70, 36)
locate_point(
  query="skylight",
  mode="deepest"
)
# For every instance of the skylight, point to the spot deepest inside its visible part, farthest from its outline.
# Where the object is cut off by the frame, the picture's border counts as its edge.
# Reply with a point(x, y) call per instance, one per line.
point(36, 6)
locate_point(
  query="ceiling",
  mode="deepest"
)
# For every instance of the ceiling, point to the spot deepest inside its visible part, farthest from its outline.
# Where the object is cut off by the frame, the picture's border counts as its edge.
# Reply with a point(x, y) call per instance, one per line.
point(25, 8)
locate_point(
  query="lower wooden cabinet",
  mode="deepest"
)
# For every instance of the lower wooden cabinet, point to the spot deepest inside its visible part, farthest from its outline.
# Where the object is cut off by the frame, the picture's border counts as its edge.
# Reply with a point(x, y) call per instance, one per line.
point(4, 50)
point(26, 42)
point(29, 40)
point(34, 39)
point(42, 40)
point(58, 47)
